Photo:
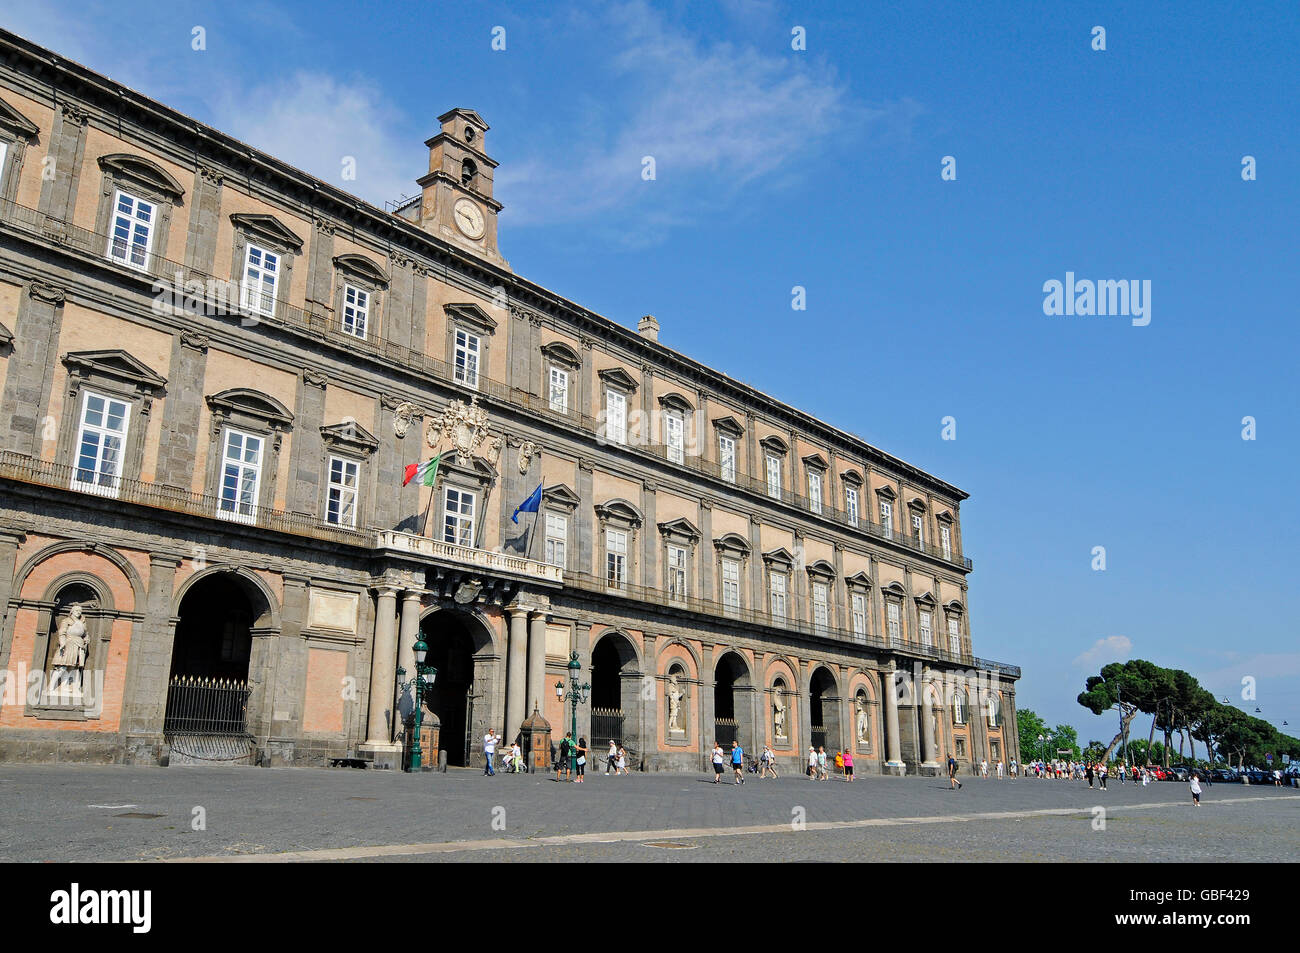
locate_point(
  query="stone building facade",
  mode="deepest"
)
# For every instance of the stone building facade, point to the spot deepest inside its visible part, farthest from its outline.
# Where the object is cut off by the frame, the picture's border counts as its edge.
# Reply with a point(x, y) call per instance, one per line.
point(214, 371)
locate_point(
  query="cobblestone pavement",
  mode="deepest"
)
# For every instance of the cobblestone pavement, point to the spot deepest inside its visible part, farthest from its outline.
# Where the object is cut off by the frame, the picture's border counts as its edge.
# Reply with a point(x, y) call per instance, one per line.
point(110, 813)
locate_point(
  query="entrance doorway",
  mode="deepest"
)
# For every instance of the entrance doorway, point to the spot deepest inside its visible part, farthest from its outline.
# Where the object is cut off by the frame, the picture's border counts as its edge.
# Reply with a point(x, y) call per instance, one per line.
point(453, 638)
point(732, 718)
point(615, 697)
point(824, 705)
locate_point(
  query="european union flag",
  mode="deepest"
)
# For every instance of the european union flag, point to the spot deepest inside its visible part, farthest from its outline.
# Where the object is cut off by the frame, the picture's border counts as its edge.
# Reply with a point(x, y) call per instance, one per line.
point(530, 505)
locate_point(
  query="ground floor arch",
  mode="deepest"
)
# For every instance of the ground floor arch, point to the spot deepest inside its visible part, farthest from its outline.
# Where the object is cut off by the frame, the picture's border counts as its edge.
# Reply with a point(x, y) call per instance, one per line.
point(824, 710)
point(460, 647)
point(617, 702)
point(733, 702)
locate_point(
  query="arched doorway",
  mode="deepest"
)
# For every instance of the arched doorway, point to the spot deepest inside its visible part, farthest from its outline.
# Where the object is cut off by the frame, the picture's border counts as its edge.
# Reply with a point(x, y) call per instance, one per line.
point(208, 692)
point(732, 702)
point(454, 639)
point(615, 697)
point(824, 708)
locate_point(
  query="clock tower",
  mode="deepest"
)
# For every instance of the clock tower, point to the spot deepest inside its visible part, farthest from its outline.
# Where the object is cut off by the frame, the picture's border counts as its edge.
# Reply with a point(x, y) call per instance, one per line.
point(457, 203)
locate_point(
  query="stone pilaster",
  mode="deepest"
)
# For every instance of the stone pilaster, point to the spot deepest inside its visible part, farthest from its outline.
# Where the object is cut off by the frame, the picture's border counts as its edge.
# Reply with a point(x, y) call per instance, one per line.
point(62, 170)
point(585, 517)
point(649, 536)
point(27, 383)
point(307, 462)
point(407, 634)
point(889, 694)
point(320, 268)
point(536, 694)
point(516, 667)
point(205, 220)
point(177, 440)
point(383, 677)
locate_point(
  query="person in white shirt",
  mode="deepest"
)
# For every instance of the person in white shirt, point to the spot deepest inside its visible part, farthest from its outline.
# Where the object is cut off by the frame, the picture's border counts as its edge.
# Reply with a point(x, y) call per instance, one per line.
point(812, 764)
point(490, 751)
point(718, 763)
point(984, 767)
point(999, 769)
point(622, 761)
point(516, 758)
point(1196, 789)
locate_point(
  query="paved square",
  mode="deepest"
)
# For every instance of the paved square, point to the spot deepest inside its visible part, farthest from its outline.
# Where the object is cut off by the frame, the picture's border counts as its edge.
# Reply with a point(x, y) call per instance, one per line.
point(116, 813)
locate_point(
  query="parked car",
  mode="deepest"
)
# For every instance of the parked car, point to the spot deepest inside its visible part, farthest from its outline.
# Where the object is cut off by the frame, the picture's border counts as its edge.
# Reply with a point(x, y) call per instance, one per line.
point(1180, 772)
point(1223, 775)
point(1256, 776)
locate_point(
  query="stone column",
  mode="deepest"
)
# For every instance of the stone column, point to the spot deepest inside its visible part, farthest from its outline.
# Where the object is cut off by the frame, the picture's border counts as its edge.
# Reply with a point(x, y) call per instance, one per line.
point(408, 632)
point(516, 665)
point(928, 755)
point(889, 693)
point(383, 674)
point(536, 662)
point(148, 663)
point(581, 645)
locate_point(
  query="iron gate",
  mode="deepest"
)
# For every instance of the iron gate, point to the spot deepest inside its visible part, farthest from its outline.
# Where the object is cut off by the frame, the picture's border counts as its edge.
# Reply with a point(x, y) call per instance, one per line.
point(606, 724)
point(818, 736)
point(206, 706)
point(725, 731)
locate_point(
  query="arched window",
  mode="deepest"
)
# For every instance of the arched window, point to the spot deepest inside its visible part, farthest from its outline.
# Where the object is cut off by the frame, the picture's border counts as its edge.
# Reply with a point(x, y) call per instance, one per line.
point(467, 172)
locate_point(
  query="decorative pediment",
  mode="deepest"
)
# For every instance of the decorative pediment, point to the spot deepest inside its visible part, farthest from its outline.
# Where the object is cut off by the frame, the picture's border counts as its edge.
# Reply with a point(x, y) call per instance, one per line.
point(675, 401)
point(466, 312)
point(944, 517)
point(619, 511)
point(468, 467)
point(894, 589)
point(680, 528)
point(467, 113)
point(916, 503)
point(732, 543)
point(729, 425)
point(816, 461)
point(886, 492)
point(350, 435)
point(780, 558)
point(775, 444)
point(561, 353)
point(821, 568)
point(955, 606)
point(859, 580)
point(6, 336)
point(16, 122)
point(250, 403)
point(851, 477)
point(140, 169)
point(560, 495)
point(116, 365)
point(269, 228)
point(362, 267)
point(926, 599)
point(618, 378)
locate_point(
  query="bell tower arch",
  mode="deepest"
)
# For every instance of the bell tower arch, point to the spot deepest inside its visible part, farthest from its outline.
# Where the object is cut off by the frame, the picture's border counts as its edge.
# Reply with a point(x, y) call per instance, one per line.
point(457, 203)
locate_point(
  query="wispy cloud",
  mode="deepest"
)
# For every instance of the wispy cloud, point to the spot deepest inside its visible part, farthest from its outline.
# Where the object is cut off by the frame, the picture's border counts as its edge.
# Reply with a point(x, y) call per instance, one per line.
point(1113, 648)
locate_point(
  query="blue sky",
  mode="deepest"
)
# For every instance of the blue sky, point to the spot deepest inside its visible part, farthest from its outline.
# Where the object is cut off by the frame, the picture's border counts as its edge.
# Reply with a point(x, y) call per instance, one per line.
point(821, 168)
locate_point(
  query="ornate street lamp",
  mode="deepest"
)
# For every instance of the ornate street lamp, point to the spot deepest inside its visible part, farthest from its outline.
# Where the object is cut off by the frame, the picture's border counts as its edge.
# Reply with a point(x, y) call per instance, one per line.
point(424, 675)
point(1041, 751)
point(575, 695)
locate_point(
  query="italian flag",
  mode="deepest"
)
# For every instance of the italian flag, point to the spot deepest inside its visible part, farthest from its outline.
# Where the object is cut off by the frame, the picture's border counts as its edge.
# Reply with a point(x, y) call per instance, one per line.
point(427, 471)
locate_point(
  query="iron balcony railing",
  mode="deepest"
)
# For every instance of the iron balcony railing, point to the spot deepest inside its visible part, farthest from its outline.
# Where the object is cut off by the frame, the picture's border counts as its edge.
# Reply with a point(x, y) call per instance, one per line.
point(221, 298)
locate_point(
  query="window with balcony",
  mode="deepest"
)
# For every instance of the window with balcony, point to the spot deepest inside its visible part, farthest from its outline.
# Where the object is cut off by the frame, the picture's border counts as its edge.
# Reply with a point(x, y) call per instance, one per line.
point(927, 630)
point(132, 230)
point(959, 708)
point(356, 311)
point(821, 600)
point(458, 516)
point(994, 711)
point(731, 583)
point(815, 490)
point(677, 572)
point(776, 583)
point(558, 391)
point(341, 503)
point(674, 436)
point(560, 367)
point(101, 440)
point(887, 518)
point(894, 621)
point(466, 357)
point(359, 284)
point(248, 429)
point(557, 539)
point(135, 206)
point(727, 457)
point(859, 615)
point(774, 476)
point(954, 635)
point(851, 505)
point(241, 476)
point(261, 275)
point(945, 541)
point(615, 416)
point(918, 528)
point(615, 558)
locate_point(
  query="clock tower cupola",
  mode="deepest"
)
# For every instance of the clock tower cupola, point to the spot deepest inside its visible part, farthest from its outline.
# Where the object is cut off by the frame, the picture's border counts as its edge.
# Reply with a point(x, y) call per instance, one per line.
point(457, 203)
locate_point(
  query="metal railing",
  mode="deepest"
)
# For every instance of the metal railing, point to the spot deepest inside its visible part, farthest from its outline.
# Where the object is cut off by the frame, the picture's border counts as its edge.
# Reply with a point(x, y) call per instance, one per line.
point(606, 725)
point(725, 731)
point(221, 297)
point(206, 706)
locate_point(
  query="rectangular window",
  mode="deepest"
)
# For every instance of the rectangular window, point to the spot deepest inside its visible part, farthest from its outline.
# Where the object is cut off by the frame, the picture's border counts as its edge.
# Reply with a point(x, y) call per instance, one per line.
point(676, 572)
point(851, 505)
point(261, 274)
point(557, 538)
point(918, 528)
point(467, 349)
point(774, 476)
point(954, 635)
point(4, 149)
point(776, 588)
point(927, 632)
point(821, 600)
point(458, 517)
point(615, 417)
point(615, 558)
point(341, 508)
point(945, 540)
point(860, 615)
point(356, 311)
point(241, 476)
point(559, 391)
point(894, 622)
point(727, 458)
point(731, 583)
point(674, 437)
point(131, 230)
point(887, 518)
point(815, 491)
point(100, 442)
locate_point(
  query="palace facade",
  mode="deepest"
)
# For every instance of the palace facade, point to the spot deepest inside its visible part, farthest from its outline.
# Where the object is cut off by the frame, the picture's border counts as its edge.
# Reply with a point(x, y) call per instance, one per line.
point(215, 370)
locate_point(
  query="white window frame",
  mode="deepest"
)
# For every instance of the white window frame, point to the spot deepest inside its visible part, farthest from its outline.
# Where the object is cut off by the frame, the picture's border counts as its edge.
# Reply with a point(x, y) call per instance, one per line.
point(615, 416)
point(341, 498)
point(777, 594)
point(97, 484)
point(774, 476)
point(727, 457)
point(677, 572)
point(558, 390)
point(918, 525)
point(251, 288)
point(356, 313)
point(887, 518)
point(927, 628)
point(994, 712)
point(134, 225)
point(954, 635)
point(458, 522)
point(4, 152)
point(851, 504)
point(467, 352)
point(240, 510)
point(959, 708)
point(859, 615)
point(894, 621)
point(675, 436)
point(945, 540)
point(731, 584)
point(821, 603)
point(616, 558)
point(815, 490)
point(557, 539)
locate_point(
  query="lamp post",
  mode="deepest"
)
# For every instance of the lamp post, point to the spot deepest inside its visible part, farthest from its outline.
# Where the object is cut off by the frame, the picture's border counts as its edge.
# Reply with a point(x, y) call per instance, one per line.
point(576, 693)
point(424, 674)
point(1049, 743)
point(1041, 752)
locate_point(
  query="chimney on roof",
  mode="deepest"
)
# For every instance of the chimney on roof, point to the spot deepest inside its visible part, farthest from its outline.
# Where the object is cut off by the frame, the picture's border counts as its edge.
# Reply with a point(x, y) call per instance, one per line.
point(648, 327)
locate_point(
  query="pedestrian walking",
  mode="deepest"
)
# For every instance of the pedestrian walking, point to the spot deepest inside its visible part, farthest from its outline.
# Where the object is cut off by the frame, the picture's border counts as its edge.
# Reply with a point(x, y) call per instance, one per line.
point(812, 763)
point(1015, 769)
point(1000, 769)
point(822, 773)
point(1101, 776)
point(622, 760)
point(1196, 790)
point(848, 764)
point(717, 762)
point(582, 759)
point(490, 752)
point(1088, 774)
point(738, 761)
point(953, 783)
point(984, 768)
point(611, 758)
point(562, 766)
point(769, 762)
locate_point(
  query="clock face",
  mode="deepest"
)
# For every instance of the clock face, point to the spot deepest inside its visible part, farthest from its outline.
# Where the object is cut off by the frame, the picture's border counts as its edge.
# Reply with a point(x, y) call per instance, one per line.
point(469, 218)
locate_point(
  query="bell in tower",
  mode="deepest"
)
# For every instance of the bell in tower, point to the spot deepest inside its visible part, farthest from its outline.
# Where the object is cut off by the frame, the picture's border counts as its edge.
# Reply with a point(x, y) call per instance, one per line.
point(457, 203)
